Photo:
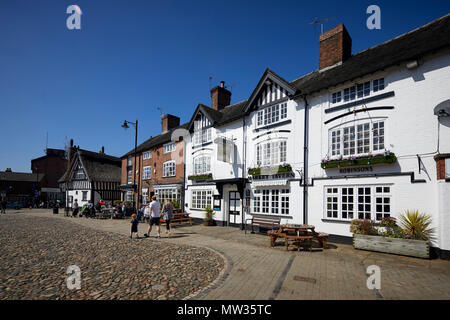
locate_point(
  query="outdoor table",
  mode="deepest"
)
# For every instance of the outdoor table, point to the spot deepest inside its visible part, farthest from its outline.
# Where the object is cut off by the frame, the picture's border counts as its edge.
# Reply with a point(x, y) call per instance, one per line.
point(107, 212)
point(297, 228)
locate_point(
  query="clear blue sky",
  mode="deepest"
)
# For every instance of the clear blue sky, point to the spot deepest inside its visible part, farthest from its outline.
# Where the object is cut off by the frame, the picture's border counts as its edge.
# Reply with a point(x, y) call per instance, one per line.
point(133, 56)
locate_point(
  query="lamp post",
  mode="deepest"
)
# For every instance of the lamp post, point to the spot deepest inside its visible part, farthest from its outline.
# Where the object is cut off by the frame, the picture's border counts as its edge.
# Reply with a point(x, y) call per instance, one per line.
point(125, 126)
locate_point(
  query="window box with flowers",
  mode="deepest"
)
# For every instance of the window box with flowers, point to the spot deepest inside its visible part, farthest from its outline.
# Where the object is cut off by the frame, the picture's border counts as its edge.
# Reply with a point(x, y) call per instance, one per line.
point(270, 170)
point(200, 177)
point(362, 160)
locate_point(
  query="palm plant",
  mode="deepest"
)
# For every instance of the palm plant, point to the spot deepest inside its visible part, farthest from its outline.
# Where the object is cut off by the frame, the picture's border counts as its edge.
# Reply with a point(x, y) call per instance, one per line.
point(416, 225)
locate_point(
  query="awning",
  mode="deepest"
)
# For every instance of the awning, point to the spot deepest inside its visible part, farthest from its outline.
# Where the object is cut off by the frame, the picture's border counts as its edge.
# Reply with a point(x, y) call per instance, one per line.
point(270, 183)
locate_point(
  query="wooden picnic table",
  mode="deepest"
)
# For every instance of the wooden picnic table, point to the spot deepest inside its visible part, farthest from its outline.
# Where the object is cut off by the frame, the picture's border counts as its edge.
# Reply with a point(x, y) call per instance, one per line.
point(179, 217)
point(296, 233)
point(105, 213)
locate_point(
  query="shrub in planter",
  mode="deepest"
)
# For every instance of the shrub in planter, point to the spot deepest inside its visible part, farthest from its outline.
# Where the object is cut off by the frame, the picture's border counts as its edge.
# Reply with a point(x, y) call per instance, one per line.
point(416, 225)
point(209, 214)
point(391, 229)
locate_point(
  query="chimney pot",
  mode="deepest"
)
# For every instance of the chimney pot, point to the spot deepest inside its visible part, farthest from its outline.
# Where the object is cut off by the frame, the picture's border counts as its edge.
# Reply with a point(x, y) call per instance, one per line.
point(220, 97)
point(335, 46)
point(168, 122)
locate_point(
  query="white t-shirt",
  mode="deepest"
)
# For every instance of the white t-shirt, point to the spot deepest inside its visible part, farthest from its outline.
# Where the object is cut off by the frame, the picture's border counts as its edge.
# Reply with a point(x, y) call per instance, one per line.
point(146, 212)
point(155, 209)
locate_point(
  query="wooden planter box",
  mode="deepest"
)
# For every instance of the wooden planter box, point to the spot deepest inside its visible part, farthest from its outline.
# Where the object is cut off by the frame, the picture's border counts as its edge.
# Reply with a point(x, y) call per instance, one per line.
point(405, 247)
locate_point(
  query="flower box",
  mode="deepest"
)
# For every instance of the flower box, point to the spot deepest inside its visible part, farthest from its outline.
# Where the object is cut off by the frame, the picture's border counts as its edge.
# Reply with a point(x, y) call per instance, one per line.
point(200, 177)
point(269, 170)
point(388, 157)
point(405, 247)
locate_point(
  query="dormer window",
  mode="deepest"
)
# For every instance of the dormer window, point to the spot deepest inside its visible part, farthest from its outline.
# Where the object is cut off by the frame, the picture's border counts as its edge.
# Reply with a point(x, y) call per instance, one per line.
point(272, 114)
point(357, 91)
point(202, 131)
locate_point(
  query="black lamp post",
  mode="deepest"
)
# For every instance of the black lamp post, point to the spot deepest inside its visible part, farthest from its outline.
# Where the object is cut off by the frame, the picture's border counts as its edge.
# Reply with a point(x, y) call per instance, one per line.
point(125, 126)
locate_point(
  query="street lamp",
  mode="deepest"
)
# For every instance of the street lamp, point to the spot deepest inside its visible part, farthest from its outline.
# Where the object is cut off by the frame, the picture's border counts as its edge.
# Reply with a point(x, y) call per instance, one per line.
point(125, 126)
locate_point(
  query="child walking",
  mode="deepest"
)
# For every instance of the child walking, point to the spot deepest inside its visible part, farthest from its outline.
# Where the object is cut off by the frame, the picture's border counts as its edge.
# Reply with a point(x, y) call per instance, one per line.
point(134, 226)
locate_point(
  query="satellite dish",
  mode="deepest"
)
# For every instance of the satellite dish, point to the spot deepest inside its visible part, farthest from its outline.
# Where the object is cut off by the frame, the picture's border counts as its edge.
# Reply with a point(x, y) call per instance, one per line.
point(442, 109)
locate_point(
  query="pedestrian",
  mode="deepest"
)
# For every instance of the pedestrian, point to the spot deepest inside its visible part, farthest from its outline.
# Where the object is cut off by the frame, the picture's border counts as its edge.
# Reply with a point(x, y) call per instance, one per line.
point(147, 214)
point(75, 208)
point(134, 226)
point(167, 212)
point(4, 204)
point(155, 209)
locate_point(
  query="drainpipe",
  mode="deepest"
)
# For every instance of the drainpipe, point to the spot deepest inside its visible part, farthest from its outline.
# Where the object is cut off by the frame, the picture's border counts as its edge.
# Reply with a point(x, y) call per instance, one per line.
point(244, 157)
point(305, 162)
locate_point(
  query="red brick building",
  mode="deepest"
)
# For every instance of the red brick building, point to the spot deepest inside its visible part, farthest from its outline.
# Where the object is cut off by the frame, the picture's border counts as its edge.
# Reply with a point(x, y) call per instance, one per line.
point(52, 165)
point(160, 166)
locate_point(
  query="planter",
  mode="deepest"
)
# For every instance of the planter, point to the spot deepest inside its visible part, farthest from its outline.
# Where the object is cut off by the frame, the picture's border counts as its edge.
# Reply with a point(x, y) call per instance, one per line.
point(405, 247)
point(363, 161)
point(275, 169)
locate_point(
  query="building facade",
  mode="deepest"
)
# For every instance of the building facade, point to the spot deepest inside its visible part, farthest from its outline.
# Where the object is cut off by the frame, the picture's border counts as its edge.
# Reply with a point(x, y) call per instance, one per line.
point(90, 176)
point(52, 165)
point(159, 166)
point(21, 188)
point(364, 136)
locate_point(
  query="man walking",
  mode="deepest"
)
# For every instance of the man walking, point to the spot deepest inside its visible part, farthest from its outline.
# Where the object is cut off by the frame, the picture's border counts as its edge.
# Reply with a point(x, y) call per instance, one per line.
point(155, 209)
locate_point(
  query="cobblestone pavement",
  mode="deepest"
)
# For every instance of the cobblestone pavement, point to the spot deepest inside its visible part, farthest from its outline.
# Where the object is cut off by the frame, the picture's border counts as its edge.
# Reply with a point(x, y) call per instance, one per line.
point(35, 252)
point(253, 270)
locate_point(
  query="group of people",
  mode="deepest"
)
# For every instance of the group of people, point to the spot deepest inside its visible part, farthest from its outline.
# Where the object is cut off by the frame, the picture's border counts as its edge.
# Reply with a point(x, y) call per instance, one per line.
point(154, 212)
point(88, 209)
point(4, 205)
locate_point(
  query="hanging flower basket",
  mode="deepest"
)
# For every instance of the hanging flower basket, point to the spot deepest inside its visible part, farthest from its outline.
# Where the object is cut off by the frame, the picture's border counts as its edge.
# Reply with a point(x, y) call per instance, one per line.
point(200, 177)
point(272, 169)
point(387, 157)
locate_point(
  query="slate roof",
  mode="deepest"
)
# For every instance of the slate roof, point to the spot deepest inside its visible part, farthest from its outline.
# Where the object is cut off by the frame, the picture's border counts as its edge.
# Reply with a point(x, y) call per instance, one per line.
point(155, 141)
point(220, 117)
point(20, 176)
point(99, 167)
point(411, 45)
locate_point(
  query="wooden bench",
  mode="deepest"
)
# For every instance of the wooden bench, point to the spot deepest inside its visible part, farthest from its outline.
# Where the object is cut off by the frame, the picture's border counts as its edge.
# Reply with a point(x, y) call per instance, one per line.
point(264, 221)
point(295, 241)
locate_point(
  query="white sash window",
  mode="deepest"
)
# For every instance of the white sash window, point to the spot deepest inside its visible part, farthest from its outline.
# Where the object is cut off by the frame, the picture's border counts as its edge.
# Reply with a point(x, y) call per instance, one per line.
point(271, 153)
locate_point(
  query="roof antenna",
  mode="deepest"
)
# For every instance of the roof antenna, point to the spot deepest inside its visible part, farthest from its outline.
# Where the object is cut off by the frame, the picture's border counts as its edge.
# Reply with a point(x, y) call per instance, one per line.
point(46, 143)
point(321, 21)
point(231, 86)
point(160, 111)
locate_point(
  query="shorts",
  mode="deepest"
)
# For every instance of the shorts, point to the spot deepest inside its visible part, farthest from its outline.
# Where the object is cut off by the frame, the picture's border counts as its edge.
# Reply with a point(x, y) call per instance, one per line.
point(154, 221)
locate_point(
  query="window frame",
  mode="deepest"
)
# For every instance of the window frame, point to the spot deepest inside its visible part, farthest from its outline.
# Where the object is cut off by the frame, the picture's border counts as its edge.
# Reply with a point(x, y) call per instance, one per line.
point(165, 168)
point(271, 201)
point(146, 172)
point(272, 114)
point(271, 152)
point(349, 134)
point(205, 166)
point(147, 155)
point(201, 201)
point(356, 209)
point(169, 147)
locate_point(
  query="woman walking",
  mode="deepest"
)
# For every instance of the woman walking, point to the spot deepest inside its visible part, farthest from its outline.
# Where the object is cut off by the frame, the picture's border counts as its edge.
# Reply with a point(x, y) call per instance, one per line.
point(167, 212)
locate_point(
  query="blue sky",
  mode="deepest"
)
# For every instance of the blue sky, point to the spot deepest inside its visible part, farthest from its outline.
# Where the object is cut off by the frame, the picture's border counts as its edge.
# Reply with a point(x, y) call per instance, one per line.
point(133, 56)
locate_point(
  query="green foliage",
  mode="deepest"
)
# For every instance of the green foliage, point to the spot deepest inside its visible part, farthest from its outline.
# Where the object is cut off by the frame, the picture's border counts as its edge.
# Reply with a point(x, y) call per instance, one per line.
point(391, 229)
point(176, 204)
point(116, 202)
point(416, 225)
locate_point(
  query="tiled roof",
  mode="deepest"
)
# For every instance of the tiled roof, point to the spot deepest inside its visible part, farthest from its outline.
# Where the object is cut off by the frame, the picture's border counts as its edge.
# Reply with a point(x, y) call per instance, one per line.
point(20, 176)
point(411, 45)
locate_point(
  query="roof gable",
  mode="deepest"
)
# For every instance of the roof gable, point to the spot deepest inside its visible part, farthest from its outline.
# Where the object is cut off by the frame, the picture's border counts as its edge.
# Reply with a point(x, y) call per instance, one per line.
point(270, 89)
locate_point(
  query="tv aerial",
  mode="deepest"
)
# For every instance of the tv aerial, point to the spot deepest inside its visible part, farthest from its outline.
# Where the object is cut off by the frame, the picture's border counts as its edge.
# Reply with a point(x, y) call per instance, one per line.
point(231, 86)
point(321, 21)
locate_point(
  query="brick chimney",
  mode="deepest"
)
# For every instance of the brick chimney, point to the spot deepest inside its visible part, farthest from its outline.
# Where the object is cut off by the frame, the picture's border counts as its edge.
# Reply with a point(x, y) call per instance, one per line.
point(335, 46)
point(220, 97)
point(168, 122)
